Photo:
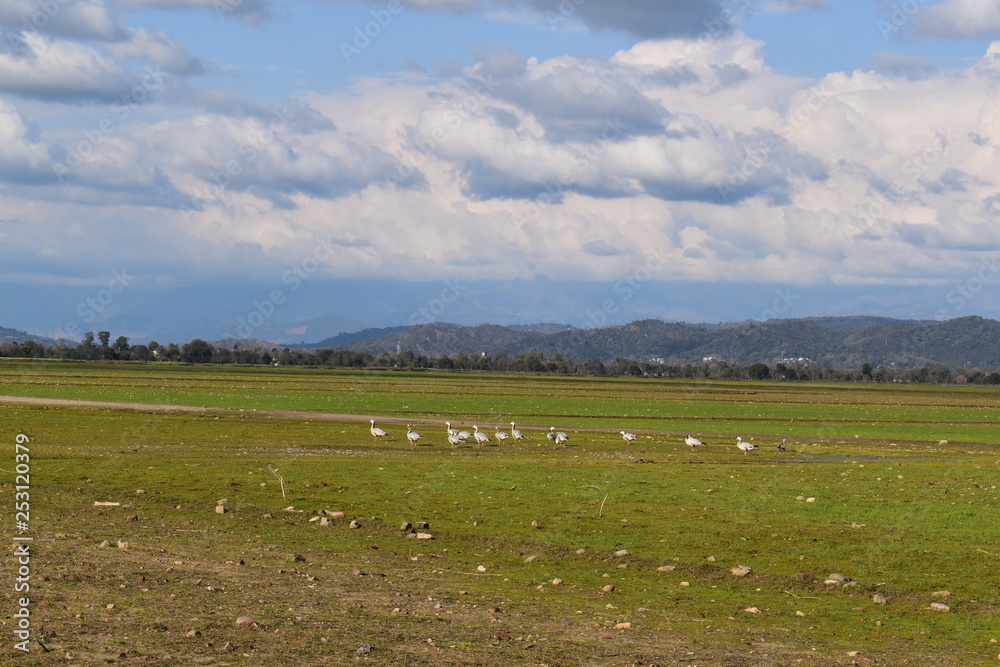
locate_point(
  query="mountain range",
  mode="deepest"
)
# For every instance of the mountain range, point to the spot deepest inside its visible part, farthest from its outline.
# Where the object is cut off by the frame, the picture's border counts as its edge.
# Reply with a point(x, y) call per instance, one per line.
point(833, 342)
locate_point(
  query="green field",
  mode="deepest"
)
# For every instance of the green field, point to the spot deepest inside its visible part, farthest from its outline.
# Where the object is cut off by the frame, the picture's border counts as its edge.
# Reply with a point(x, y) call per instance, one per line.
point(894, 507)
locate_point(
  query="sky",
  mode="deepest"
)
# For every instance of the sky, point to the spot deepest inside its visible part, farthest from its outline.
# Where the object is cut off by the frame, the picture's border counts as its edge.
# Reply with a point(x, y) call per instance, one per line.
point(154, 149)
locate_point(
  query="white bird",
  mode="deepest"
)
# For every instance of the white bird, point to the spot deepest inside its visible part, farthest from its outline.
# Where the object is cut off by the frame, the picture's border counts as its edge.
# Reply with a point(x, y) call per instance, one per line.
point(781, 447)
point(377, 432)
point(500, 435)
point(412, 435)
point(747, 447)
point(463, 435)
point(454, 440)
point(551, 435)
point(451, 431)
point(559, 438)
point(693, 442)
point(481, 438)
point(627, 437)
point(514, 433)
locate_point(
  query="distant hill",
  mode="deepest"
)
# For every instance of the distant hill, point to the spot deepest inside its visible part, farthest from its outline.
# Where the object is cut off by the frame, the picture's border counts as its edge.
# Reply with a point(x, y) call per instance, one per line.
point(18, 336)
point(836, 342)
point(336, 342)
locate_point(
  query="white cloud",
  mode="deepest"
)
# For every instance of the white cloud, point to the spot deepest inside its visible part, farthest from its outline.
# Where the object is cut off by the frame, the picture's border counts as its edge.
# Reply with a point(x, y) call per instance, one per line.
point(84, 19)
point(958, 19)
point(250, 12)
point(152, 45)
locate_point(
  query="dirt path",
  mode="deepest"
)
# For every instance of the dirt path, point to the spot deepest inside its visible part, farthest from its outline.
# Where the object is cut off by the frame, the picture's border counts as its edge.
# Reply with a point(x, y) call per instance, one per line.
point(282, 414)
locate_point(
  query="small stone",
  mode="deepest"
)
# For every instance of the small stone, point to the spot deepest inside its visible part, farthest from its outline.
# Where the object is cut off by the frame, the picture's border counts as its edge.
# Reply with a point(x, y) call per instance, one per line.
point(268, 515)
point(105, 544)
point(422, 525)
point(192, 633)
point(323, 521)
point(481, 568)
point(685, 584)
point(424, 536)
point(220, 509)
point(228, 647)
point(800, 497)
point(132, 517)
point(221, 501)
point(557, 581)
point(621, 552)
point(580, 552)
point(800, 613)
point(139, 492)
point(333, 514)
point(810, 500)
point(879, 599)
point(853, 654)
point(805, 576)
point(123, 545)
point(531, 559)
point(244, 621)
point(298, 558)
point(355, 524)
point(535, 524)
point(608, 588)
point(666, 568)
point(752, 610)
point(364, 649)
point(110, 606)
point(741, 570)
point(711, 559)
point(837, 578)
point(623, 626)
point(937, 606)
point(406, 526)
point(941, 594)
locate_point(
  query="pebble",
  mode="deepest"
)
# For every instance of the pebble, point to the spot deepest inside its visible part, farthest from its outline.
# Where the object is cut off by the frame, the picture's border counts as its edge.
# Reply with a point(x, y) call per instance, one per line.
point(837, 578)
point(268, 515)
point(685, 583)
point(105, 544)
point(937, 606)
point(298, 558)
point(621, 552)
point(741, 570)
point(531, 559)
point(608, 588)
point(243, 621)
point(220, 509)
point(666, 568)
point(752, 610)
point(711, 559)
point(480, 568)
point(122, 545)
point(557, 581)
point(941, 594)
point(139, 492)
point(355, 524)
point(623, 626)
point(879, 599)
point(854, 654)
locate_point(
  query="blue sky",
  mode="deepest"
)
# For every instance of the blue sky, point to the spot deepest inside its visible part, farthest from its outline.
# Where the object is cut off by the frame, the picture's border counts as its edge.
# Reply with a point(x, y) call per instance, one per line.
point(794, 143)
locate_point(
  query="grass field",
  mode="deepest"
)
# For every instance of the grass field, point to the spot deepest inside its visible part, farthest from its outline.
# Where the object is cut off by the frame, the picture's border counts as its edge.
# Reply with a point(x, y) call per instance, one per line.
point(901, 513)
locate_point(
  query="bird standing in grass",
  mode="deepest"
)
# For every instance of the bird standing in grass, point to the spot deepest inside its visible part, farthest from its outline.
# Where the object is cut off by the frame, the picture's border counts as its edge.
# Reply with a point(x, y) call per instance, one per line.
point(551, 435)
point(693, 442)
point(781, 446)
point(747, 447)
point(514, 433)
point(481, 438)
point(500, 435)
point(412, 435)
point(377, 432)
point(561, 439)
point(451, 431)
point(627, 437)
point(454, 440)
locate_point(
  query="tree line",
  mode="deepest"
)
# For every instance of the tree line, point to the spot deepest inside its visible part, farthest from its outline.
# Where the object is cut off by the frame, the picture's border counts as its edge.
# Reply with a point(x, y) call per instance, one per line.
point(198, 351)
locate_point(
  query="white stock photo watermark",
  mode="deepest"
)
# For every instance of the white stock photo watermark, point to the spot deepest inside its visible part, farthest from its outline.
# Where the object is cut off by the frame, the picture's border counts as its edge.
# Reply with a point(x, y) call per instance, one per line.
point(627, 287)
point(97, 306)
point(265, 308)
point(364, 34)
point(967, 290)
point(432, 310)
point(455, 116)
point(248, 151)
point(554, 189)
point(22, 541)
point(121, 109)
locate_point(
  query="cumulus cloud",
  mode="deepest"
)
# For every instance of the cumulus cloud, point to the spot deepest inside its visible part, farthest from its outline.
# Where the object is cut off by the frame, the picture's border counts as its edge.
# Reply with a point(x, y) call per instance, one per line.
point(37, 66)
point(154, 46)
point(959, 19)
point(81, 19)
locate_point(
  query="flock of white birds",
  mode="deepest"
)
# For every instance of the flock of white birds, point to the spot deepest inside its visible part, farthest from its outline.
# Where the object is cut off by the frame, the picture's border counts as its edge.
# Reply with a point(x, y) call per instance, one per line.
point(557, 438)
